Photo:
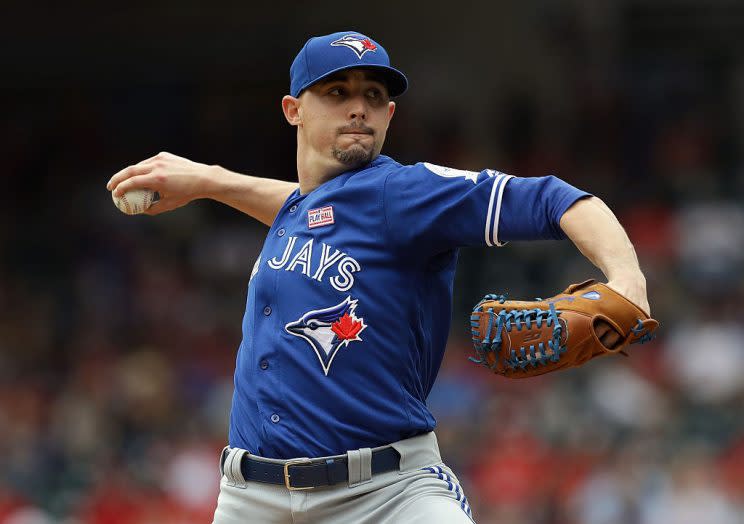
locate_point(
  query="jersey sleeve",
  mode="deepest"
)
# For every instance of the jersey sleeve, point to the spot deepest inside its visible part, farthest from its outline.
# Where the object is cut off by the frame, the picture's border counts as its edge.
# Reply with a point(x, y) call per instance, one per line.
point(532, 207)
point(430, 209)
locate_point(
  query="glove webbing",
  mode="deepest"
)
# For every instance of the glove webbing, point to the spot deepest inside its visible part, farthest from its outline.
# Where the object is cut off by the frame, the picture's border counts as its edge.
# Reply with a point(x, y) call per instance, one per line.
point(515, 318)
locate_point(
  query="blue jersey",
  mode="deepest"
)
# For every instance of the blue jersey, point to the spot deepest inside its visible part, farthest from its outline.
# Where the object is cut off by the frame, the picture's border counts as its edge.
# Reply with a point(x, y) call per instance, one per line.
point(349, 302)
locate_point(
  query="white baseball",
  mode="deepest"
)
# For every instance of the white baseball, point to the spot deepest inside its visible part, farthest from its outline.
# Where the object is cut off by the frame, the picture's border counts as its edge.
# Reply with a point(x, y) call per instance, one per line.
point(134, 202)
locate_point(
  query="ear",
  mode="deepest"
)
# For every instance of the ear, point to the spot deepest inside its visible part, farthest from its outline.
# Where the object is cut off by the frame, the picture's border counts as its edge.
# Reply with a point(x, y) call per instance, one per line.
point(291, 109)
point(391, 111)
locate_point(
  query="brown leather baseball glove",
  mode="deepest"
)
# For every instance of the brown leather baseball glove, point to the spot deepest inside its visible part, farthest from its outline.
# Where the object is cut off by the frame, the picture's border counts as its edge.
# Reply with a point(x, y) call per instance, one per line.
point(520, 339)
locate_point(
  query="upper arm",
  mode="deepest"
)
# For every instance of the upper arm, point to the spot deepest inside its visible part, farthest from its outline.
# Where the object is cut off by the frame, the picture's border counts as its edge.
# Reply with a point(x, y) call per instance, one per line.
point(430, 209)
point(533, 207)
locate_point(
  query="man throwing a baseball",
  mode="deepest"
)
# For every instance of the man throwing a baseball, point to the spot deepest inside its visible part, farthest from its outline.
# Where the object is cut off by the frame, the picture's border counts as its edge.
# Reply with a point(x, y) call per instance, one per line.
point(349, 302)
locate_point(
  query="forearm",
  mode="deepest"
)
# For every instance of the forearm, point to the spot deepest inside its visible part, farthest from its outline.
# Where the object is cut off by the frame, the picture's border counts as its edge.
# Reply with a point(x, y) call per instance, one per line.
point(179, 180)
point(591, 225)
point(258, 197)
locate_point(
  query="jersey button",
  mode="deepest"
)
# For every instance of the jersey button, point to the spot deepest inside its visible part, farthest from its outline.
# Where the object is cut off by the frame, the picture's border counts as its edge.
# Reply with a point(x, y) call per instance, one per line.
point(264, 364)
point(293, 209)
point(281, 232)
point(267, 311)
point(275, 418)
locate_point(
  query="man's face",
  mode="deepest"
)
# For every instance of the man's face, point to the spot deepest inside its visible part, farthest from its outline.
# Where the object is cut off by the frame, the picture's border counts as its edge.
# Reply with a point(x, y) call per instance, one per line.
point(345, 116)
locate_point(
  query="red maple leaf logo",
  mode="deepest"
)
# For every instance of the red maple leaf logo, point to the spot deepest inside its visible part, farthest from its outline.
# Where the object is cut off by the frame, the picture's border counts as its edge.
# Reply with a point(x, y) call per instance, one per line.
point(346, 328)
point(368, 45)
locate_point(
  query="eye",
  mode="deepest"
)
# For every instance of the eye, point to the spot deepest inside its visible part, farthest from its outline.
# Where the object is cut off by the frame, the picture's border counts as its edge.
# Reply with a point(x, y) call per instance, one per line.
point(374, 93)
point(313, 324)
point(336, 91)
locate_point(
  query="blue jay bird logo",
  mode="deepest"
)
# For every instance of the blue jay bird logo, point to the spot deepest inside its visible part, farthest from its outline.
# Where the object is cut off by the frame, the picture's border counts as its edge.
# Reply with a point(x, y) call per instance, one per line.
point(329, 329)
point(356, 44)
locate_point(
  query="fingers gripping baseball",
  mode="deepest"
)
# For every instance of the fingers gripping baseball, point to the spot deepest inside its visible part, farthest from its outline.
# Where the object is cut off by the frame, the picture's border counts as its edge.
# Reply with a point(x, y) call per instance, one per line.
point(175, 179)
point(141, 168)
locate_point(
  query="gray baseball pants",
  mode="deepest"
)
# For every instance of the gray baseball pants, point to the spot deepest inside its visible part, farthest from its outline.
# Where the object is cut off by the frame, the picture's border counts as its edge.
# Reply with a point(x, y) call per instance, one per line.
point(423, 490)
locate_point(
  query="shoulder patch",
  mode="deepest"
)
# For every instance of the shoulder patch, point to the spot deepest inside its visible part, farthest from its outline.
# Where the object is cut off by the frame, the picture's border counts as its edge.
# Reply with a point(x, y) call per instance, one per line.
point(449, 172)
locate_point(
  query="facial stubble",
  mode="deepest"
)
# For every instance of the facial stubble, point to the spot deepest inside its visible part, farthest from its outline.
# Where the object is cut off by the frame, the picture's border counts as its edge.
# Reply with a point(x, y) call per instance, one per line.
point(354, 156)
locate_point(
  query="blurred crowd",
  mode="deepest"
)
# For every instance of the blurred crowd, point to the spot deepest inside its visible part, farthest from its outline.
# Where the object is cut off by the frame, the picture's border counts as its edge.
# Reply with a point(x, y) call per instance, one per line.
point(118, 335)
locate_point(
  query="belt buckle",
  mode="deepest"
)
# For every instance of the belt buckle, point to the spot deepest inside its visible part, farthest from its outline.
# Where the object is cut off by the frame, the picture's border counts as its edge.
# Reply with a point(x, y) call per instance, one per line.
point(286, 473)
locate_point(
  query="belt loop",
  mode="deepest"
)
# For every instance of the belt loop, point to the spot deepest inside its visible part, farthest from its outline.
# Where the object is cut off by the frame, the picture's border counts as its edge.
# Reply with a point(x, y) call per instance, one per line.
point(223, 455)
point(417, 452)
point(360, 466)
point(232, 468)
point(366, 456)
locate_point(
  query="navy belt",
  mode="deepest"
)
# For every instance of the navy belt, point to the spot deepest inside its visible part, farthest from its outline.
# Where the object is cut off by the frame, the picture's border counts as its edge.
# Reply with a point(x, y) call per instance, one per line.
point(310, 473)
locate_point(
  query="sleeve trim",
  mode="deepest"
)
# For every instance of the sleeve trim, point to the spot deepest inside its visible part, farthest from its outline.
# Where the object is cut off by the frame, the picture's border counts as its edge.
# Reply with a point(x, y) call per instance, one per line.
point(492, 216)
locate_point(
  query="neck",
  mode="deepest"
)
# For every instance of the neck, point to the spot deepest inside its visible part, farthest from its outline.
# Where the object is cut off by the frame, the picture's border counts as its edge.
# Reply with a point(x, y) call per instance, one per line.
point(314, 168)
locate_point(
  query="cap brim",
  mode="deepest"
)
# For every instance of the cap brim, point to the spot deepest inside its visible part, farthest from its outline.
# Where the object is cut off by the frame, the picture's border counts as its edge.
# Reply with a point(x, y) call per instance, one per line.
point(397, 83)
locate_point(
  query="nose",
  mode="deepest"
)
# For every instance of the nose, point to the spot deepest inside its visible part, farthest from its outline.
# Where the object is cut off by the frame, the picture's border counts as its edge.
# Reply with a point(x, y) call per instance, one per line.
point(357, 108)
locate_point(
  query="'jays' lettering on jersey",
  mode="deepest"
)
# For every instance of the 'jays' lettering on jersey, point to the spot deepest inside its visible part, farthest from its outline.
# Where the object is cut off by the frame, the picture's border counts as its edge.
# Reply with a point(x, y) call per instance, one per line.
point(349, 302)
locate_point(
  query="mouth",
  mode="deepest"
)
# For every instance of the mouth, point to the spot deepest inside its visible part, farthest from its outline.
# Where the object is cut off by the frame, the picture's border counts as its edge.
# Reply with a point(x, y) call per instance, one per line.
point(357, 134)
point(357, 131)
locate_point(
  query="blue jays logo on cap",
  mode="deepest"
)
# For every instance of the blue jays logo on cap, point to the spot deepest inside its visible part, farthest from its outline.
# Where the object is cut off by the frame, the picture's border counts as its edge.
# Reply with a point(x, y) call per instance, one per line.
point(322, 56)
point(329, 329)
point(359, 45)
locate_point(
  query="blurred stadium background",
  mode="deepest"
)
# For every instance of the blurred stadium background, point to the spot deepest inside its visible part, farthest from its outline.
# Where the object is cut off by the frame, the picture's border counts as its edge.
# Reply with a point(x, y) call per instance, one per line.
point(118, 334)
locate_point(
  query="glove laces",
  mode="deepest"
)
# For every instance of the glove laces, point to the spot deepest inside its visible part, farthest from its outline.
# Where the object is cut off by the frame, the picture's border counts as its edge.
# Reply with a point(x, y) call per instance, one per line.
point(516, 319)
point(640, 332)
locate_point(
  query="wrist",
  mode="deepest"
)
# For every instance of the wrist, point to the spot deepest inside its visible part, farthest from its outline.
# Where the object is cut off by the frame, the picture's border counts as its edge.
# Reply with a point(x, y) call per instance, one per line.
point(212, 182)
point(635, 275)
point(632, 285)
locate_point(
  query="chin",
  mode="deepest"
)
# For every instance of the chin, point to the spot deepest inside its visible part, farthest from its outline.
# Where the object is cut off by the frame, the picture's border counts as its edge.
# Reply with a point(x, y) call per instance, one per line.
point(353, 156)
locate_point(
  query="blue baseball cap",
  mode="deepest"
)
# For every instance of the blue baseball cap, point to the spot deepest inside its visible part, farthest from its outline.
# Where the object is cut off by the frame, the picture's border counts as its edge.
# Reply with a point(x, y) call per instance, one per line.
point(322, 56)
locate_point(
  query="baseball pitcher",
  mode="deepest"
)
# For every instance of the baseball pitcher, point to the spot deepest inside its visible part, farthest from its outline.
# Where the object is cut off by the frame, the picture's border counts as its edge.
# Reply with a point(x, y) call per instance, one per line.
point(348, 306)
